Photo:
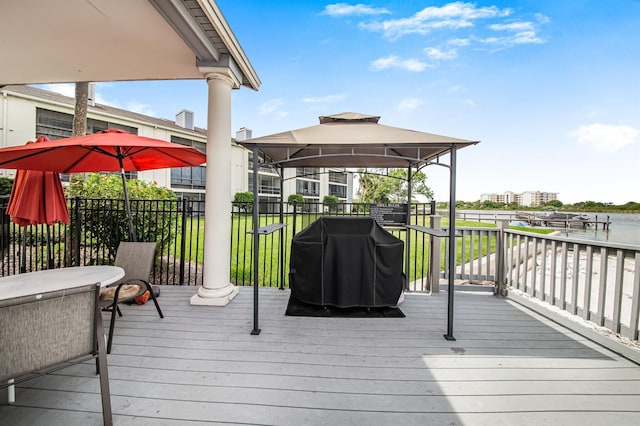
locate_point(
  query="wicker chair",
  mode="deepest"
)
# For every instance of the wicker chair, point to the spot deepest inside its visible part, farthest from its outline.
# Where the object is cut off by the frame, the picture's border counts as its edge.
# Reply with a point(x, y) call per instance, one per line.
point(136, 258)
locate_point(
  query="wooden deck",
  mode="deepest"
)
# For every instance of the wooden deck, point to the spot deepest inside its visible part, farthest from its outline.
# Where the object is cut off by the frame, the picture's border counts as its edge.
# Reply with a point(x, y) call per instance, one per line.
point(201, 365)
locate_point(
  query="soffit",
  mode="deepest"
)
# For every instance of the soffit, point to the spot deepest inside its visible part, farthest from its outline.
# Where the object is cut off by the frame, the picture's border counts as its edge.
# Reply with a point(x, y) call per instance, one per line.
point(114, 40)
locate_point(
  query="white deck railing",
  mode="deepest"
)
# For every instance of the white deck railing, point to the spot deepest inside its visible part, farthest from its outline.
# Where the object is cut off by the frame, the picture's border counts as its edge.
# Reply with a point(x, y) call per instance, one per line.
point(598, 281)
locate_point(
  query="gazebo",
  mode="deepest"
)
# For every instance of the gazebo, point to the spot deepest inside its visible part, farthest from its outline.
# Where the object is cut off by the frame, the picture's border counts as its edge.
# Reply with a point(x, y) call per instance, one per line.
point(357, 140)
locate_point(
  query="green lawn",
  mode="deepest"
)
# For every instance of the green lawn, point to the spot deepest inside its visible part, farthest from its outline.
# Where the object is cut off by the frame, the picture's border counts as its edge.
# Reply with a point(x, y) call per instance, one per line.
point(271, 250)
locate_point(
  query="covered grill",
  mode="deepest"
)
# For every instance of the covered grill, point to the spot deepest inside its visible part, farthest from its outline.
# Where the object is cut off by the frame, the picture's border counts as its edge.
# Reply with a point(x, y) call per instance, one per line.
point(346, 262)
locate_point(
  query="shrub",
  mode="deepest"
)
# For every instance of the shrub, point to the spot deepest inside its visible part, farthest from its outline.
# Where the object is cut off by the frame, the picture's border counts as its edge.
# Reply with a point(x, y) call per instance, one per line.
point(5, 185)
point(244, 200)
point(105, 220)
point(295, 198)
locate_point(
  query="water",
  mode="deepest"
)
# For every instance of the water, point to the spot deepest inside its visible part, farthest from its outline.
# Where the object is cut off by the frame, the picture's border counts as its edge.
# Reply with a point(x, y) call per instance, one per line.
point(624, 228)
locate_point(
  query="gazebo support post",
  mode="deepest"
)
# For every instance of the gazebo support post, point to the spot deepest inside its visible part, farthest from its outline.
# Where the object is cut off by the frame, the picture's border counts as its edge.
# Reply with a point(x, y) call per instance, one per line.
point(256, 241)
point(282, 250)
point(408, 231)
point(452, 243)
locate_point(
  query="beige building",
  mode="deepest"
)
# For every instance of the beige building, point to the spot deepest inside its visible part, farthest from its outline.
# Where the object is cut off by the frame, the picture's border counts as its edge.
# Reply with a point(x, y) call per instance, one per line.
point(525, 199)
point(27, 112)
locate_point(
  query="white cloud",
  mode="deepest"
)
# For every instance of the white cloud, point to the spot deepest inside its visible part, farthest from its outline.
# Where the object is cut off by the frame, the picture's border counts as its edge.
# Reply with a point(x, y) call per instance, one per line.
point(393, 61)
point(469, 102)
point(140, 108)
point(435, 53)
point(525, 37)
point(344, 9)
point(605, 137)
point(512, 26)
point(409, 104)
point(542, 19)
point(65, 89)
point(272, 107)
point(521, 33)
point(454, 15)
point(460, 42)
point(69, 89)
point(329, 99)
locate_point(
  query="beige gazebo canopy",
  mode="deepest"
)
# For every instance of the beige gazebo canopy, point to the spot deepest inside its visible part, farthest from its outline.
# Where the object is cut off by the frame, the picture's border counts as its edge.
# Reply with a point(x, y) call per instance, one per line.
point(354, 140)
point(357, 140)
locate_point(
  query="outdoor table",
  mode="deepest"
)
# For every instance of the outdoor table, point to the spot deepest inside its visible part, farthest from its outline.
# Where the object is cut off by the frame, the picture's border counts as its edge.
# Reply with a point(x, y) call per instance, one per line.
point(34, 283)
point(31, 283)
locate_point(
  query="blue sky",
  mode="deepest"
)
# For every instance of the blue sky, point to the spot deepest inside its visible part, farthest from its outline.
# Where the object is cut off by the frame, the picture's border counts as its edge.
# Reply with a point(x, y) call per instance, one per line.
point(551, 88)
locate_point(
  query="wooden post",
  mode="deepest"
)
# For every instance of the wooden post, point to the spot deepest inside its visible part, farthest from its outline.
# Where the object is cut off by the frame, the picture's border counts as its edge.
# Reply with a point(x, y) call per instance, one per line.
point(501, 285)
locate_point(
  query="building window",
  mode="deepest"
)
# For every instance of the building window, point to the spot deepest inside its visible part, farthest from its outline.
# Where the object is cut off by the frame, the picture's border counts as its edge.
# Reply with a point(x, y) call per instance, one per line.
point(307, 188)
point(58, 125)
point(267, 184)
point(339, 191)
point(189, 177)
point(338, 177)
point(308, 172)
point(53, 124)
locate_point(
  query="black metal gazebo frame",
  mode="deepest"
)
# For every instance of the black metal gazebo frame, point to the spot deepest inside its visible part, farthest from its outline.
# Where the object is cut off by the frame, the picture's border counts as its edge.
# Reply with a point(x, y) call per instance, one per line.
point(357, 140)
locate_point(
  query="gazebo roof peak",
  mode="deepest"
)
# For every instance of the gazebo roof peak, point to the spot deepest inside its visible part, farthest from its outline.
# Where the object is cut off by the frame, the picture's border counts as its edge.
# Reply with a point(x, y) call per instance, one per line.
point(349, 117)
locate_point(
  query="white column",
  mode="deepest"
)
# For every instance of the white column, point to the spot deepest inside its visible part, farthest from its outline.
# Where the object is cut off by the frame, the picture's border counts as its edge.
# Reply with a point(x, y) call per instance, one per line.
point(217, 289)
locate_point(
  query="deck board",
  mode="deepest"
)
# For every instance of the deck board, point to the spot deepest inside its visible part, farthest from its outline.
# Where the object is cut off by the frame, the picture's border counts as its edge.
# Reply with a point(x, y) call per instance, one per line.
point(201, 365)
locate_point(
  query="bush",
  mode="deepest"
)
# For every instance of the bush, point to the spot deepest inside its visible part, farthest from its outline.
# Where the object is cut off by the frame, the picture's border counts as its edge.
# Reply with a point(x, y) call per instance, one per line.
point(244, 200)
point(106, 219)
point(331, 201)
point(5, 185)
point(295, 198)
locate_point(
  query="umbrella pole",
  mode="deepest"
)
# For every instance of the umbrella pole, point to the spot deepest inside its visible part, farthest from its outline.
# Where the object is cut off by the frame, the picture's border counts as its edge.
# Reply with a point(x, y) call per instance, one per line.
point(132, 233)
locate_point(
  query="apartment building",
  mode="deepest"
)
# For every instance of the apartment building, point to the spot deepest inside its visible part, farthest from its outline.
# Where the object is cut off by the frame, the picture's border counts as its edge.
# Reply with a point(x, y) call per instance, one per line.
point(525, 199)
point(28, 112)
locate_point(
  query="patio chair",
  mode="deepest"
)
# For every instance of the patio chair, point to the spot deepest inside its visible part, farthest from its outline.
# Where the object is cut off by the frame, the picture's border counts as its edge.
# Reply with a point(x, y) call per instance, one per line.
point(46, 331)
point(136, 258)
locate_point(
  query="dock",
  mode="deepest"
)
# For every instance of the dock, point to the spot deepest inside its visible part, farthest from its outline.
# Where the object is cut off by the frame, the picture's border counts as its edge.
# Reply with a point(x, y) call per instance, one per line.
point(531, 219)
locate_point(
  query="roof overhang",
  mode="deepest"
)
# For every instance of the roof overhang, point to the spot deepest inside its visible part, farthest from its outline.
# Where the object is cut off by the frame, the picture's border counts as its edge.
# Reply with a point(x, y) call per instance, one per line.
point(116, 40)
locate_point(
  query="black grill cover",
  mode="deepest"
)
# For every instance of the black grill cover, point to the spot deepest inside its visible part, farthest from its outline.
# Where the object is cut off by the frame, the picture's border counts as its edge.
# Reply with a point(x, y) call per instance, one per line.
point(346, 262)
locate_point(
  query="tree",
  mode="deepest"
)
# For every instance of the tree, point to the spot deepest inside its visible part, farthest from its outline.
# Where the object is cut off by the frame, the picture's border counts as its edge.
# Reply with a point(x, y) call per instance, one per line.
point(79, 129)
point(488, 204)
point(555, 203)
point(375, 187)
point(244, 200)
point(331, 201)
point(295, 198)
point(80, 112)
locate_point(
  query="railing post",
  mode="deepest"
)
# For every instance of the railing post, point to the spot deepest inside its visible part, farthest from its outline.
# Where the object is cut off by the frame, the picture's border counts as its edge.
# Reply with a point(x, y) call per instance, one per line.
point(435, 244)
point(77, 231)
point(183, 239)
point(295, 217)
point(501, 287)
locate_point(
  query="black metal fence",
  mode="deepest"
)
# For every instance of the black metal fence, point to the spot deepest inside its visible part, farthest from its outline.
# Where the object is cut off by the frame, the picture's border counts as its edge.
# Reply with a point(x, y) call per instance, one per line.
point(98, 225)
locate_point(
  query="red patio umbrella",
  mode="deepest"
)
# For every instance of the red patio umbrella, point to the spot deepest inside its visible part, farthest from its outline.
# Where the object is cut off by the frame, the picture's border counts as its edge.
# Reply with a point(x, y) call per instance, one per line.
point(37, 198)
point(107, 151)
